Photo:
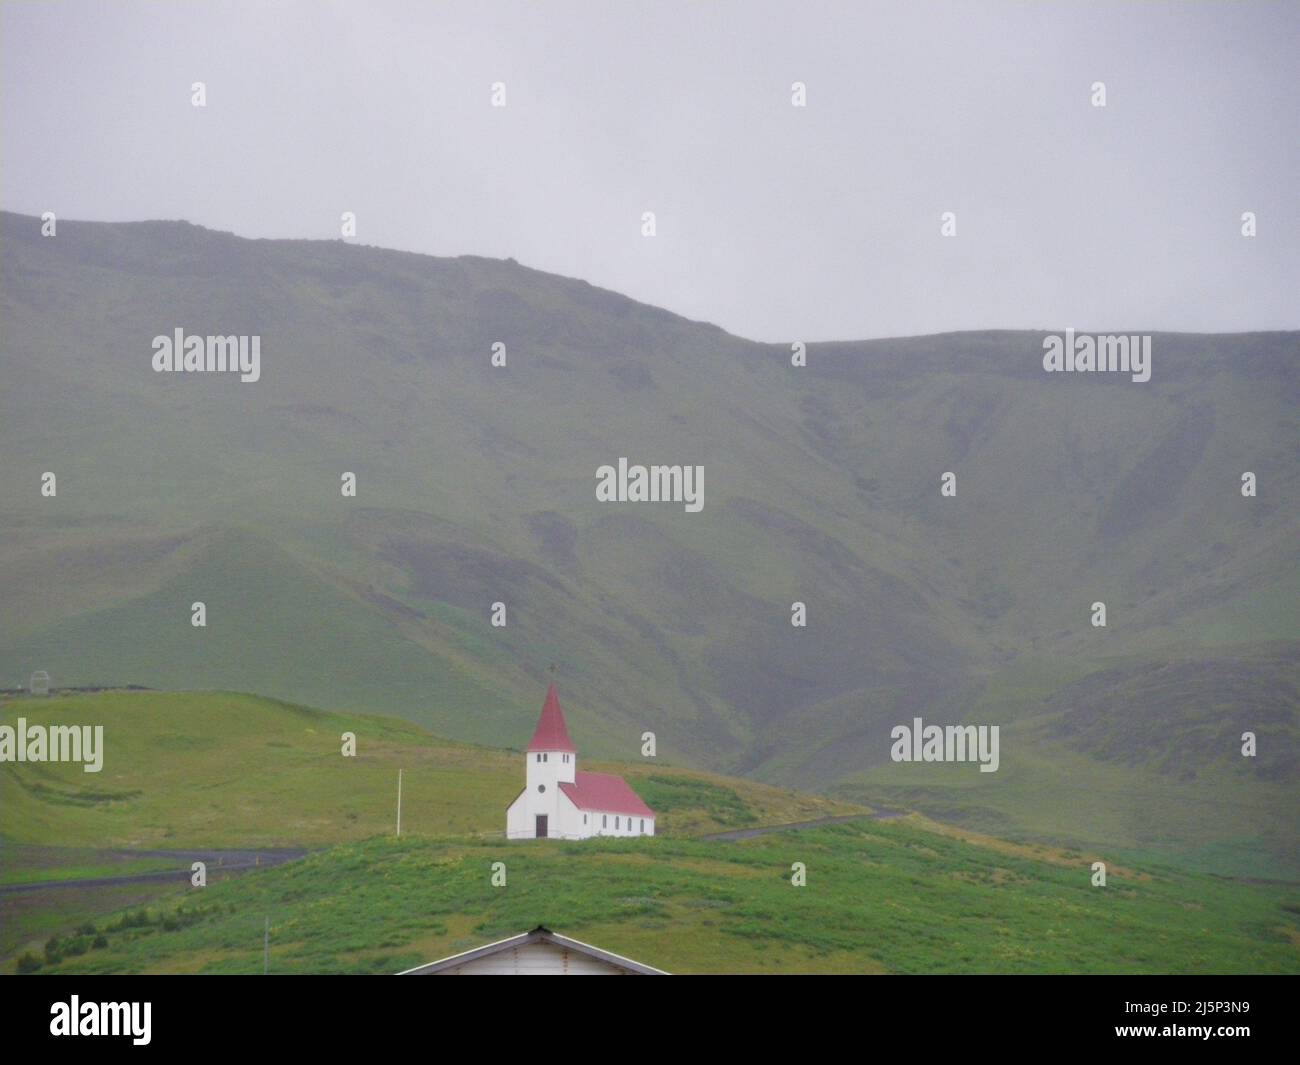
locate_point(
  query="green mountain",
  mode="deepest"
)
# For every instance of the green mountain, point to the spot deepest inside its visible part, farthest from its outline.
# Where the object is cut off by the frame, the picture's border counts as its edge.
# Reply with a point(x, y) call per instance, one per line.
point(476, 485)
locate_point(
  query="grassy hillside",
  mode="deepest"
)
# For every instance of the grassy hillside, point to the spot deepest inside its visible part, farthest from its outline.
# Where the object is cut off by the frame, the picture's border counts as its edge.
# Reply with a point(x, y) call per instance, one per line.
point(223, 770)
point(476, 486)
point(1142, 754)
point(880, 897)
point(207, 770)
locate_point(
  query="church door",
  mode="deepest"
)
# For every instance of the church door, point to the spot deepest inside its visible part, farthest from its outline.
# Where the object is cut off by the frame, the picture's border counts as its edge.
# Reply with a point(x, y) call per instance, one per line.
point(541, 826)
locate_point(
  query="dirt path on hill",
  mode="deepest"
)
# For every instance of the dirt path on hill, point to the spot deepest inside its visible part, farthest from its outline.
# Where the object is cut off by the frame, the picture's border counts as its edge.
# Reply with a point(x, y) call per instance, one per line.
point(880, 814)
point(219, 861)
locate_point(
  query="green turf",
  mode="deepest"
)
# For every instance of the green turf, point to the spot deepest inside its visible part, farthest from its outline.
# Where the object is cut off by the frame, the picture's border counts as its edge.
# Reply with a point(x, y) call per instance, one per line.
point(880, 897)
point(207, 770)
point(224, 770)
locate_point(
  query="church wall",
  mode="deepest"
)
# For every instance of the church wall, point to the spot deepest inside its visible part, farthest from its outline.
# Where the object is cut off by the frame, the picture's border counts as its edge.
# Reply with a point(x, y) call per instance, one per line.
point(518, 824)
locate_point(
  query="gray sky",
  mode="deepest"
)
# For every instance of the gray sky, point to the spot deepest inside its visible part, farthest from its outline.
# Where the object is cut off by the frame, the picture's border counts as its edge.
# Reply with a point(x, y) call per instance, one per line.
point(775, 222)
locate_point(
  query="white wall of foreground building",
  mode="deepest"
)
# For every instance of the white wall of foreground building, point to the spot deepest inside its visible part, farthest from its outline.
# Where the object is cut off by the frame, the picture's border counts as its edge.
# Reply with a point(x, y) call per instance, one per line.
point(535, 959)
point(540, 952)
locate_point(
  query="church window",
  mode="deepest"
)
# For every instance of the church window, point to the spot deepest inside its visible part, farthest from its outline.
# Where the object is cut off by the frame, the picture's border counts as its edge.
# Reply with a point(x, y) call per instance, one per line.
point(541, 787)
point(604, 820)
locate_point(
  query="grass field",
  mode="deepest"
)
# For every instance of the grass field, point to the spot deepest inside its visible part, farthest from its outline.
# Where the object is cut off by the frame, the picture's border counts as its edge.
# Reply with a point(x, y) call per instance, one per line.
point(208, 770)
point(217, 769)
point(880, 897)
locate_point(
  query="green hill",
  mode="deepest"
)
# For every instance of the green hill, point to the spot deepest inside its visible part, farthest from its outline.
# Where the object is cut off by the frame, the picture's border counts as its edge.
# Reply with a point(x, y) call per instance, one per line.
point(880, 897)
point(224, 770)
point(204, 770)
point(476, 486)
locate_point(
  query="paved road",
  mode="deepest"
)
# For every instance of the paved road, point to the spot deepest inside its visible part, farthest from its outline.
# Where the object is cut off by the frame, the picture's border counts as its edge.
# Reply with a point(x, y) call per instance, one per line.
point(750, 833)
point(226, 861)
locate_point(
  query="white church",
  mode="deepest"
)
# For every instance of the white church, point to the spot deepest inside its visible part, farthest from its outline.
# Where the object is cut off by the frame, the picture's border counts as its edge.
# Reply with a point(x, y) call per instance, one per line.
point(559, 802)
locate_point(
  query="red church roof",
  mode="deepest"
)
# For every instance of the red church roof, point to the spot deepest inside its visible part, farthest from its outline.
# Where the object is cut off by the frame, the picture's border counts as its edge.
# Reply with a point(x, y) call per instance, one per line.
point(605, 793)
point(552, 733)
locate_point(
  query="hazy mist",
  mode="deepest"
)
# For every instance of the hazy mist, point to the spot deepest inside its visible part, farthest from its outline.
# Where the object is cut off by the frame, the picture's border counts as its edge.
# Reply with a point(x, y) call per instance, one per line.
point(773, 221)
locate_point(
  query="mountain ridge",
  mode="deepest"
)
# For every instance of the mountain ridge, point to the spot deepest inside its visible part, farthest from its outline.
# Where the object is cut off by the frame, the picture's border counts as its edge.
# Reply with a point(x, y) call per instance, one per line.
point(23, 222)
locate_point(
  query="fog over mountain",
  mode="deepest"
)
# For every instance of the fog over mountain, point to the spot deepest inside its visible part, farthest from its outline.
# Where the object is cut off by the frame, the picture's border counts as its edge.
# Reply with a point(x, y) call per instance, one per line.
point(777, 222)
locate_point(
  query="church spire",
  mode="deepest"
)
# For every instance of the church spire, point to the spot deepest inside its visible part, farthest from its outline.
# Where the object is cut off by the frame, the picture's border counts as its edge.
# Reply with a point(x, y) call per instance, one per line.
point(552, 733)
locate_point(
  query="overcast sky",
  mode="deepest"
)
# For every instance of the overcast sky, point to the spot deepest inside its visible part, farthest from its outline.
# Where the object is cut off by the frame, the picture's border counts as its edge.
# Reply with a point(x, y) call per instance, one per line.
point(775, 222)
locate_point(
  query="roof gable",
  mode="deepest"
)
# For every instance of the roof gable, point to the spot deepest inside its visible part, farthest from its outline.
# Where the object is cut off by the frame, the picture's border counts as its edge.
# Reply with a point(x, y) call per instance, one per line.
point(541, 935)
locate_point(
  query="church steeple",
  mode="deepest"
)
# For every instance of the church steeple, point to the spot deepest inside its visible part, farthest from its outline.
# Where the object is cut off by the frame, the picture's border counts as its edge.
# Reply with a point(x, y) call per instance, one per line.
point(552, 734)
